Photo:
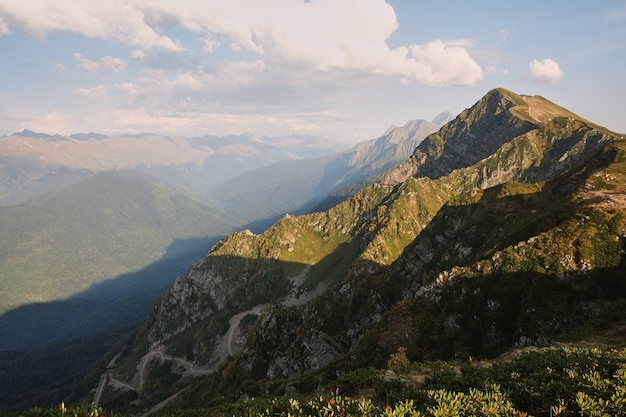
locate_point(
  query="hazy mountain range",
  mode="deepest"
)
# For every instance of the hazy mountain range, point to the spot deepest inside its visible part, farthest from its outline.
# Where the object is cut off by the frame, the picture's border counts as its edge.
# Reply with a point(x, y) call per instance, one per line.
point(31, 163)
point(95, 228)
point(105, 206)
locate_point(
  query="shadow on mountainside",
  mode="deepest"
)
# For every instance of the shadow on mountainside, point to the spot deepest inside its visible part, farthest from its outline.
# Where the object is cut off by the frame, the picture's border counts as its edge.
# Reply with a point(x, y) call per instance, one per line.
point(55, 350)
point(516, 268)
point(120, 302)
point(488, 315)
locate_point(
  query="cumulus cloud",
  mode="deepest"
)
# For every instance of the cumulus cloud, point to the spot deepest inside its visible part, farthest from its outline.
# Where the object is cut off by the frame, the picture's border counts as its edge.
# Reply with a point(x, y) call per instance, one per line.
point(320, 35)
point(276, 66)
point(114, 19)
point(106, 63)
point(439, 65)
point(544, 72)
point(96, 92)
point(138, 54)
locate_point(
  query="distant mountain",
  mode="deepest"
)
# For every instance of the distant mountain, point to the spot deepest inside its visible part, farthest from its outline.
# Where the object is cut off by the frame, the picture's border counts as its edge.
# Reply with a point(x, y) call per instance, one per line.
point(80, 268)
point(87, 136)
point(504, 229)
point(23, 179)
point(30, 160)
point(31, 134)
point(297, 186)
point(112, 223)
point(443, 118)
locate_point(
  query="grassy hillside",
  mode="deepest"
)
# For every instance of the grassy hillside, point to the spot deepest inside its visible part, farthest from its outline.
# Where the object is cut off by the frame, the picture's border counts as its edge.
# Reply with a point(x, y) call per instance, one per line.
point(61, 243)
point(564, 381)
point(80, 269)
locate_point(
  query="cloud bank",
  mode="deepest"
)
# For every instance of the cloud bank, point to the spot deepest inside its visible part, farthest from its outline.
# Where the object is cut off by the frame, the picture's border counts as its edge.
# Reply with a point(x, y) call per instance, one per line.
point(319, 35)
point(106, 63)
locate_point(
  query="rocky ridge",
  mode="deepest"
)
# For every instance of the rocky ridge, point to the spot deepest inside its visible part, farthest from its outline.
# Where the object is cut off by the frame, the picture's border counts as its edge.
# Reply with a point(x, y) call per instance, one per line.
point(515, 196)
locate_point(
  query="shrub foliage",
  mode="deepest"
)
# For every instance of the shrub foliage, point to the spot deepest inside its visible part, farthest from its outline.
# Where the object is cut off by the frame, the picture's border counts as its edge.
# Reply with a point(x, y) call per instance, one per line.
point(567, 381)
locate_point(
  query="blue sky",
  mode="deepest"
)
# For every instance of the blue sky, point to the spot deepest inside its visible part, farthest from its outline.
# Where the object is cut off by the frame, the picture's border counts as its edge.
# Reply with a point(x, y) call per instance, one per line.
point(345, 69)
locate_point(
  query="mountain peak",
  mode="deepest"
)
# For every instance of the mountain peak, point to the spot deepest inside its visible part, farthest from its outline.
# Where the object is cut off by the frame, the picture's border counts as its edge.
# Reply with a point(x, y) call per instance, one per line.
point(32, 134)
point(443, 118)
point(477, 132)
point(487, 198)
point(535, 109)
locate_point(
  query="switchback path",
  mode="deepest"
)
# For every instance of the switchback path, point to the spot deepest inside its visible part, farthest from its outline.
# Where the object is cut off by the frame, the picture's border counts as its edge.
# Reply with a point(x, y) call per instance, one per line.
point(224, 348)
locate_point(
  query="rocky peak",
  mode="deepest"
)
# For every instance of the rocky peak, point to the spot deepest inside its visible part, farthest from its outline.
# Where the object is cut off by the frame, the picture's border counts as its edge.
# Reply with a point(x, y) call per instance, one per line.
point(495, 191)
point(478, 132)
point(443, 118)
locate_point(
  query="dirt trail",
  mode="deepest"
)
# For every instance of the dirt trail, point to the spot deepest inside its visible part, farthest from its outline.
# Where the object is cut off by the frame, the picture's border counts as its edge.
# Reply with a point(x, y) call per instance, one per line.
point(607, 198)
point(224, 348)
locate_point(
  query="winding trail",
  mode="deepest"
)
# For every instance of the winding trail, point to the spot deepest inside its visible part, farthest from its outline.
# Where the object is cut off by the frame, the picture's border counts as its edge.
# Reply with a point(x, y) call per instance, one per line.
point(225, 347)
point(234, 324)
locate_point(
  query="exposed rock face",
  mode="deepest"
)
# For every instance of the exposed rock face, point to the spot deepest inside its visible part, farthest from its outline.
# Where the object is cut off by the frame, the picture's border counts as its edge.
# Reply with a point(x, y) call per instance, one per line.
point(511, 202)
point(317, 350)
point(473, 135)
point(191, 298)
point(397, 143)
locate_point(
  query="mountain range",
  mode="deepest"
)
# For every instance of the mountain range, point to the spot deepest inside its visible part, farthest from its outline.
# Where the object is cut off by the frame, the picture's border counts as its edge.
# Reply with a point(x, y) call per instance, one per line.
point(263, 195)
point(62, 243)
point(243, 175)
point(32, 162)
point(95, 228)
point(466, 238)
point(504, 229)
point(105, 206)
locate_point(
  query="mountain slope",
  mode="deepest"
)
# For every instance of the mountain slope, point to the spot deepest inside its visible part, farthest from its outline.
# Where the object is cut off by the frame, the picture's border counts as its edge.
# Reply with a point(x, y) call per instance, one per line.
point(112, 223)
point(516, 196)
point(296, 186)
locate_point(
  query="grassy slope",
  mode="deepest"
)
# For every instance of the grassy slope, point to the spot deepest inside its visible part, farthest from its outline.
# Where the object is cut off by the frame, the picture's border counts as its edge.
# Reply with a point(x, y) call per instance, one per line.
point(61, 243)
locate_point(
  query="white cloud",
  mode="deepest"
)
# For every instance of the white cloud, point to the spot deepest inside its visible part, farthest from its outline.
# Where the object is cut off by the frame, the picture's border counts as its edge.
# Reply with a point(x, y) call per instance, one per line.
point(274, 66)
point(210, 44)
point(96, 92)
point(60, 68)
point(544, 72)
point(114, 19)
point(460, 43)
point(319, 35)
point(138, 54)
point(439, 65)
point(106, 63)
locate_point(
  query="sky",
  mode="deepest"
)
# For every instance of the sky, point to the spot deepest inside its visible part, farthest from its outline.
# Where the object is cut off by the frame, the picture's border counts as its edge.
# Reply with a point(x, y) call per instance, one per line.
point(342, 69)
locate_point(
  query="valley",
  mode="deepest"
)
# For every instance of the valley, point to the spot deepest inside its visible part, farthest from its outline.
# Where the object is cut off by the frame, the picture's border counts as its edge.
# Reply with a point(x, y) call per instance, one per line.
point(312, 208)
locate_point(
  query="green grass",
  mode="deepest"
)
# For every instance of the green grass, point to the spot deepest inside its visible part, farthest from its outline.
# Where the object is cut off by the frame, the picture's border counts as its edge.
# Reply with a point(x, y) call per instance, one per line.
point(61, 243)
